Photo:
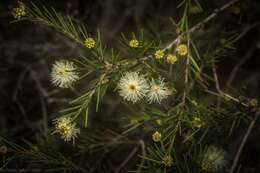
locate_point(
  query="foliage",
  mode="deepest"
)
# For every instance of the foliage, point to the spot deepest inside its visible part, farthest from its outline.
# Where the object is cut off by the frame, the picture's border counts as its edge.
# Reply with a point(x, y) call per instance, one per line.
point(188, 110)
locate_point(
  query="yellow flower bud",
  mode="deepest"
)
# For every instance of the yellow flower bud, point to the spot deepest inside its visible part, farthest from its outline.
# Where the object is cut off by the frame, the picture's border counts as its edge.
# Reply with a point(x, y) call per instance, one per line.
point(253, 102)
point(19, 11)
point(171, 59)
point(159, 54)
point(134, 43)
point(168, 161)
point(157, 136)
point(89, 43)
point(182, 49)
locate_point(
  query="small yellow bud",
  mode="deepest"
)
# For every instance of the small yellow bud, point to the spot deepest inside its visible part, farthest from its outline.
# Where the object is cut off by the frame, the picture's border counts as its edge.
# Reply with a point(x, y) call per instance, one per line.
point(19, 11)
point(89, 43)
point(3, 149)
point(171, 59)
point(253, 102)
point(182, 49)
point(159, 122)
point(197, 122)
point(168, 161)
point(159, 54)
point(134, 43)
point(157, 136)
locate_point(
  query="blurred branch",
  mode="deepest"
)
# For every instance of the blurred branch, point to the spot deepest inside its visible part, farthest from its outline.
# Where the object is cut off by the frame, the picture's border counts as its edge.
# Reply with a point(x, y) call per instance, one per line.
point(240, 149)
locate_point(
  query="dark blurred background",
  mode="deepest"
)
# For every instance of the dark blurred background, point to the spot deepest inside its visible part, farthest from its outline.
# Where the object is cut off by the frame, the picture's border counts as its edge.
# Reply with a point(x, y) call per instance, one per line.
point(27, 100)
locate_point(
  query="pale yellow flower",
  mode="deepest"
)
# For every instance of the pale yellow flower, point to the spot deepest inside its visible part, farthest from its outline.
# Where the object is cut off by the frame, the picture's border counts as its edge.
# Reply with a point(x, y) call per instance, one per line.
point(213, 159)
point(182, 49)
point(89, 43)
point(156, 136)
point(133, 87)
point(171, 59)
point(157, 92)
point(66, 128)
point(134, 43)
point(159, 54)
point(64, 74)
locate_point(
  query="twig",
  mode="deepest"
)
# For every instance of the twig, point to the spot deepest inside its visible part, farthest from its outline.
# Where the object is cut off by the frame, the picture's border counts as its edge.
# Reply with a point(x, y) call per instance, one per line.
point(238, 65)
point(240, 149)
point(206, 20)
point(141, 142)
point(219, 90)
point(198, 25)
point(128, 158)
point(215, 75)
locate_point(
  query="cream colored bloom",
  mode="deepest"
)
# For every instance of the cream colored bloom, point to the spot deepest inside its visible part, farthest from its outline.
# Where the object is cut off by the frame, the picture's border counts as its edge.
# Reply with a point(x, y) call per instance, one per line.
point(171, 59)
point(132, 86)
point(64, 74)
point(182, 49)
point(157, 92)
point(89, 43)
point(213, 159)
point(134, 43)
point(159, 54)
point(66, 129)
point(156, 136)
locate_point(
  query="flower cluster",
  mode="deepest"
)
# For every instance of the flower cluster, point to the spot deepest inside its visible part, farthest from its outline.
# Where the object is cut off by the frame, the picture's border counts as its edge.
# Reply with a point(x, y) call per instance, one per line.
point(64, 74)
point(66, 128)
point(180, 50)
point(134, 87)
point(19, 11)
point(213, 160)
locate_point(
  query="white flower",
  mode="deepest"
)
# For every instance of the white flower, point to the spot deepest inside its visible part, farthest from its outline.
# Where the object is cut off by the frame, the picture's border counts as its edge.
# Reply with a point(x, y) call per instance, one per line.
point(64, 74)
point(132, 86)
point(66, 128)
point(158, 91)
point(213, 159)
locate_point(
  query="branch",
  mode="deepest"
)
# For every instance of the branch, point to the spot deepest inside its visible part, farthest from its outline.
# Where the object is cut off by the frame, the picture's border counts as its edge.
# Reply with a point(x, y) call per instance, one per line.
point(243, 142)
point(206, 20)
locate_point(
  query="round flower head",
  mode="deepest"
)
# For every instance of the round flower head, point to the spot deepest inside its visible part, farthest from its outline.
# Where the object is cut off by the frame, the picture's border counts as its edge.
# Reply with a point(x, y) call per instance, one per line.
point(132, 86)
point(213, 160)
point(134, 43)
point(89, 43)
point(168, 161)
point(66, 128)
point(159, 54)
point(158, 91)
point(19, 11)
point(156, 136)
point(171, 59)
point(182, 49)
point(64, 74)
